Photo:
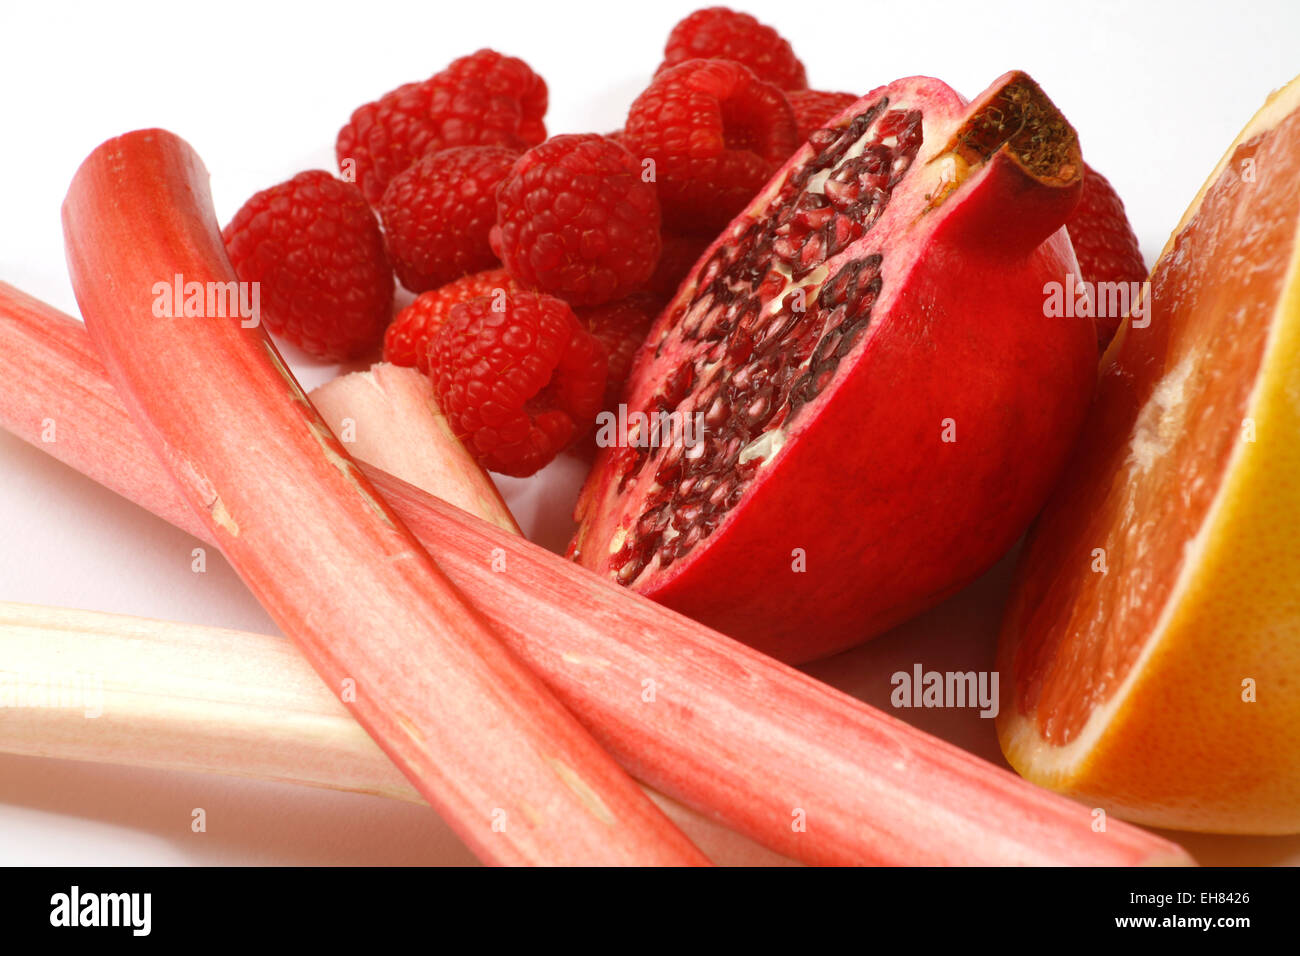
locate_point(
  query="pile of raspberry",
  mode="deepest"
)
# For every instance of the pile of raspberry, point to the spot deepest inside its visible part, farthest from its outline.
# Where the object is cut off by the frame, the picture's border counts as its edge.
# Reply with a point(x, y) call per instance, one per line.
point(538, 264)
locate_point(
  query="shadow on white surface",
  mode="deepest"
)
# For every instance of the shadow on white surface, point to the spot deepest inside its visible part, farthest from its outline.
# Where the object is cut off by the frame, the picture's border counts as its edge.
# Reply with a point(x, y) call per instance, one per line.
point(66, 813)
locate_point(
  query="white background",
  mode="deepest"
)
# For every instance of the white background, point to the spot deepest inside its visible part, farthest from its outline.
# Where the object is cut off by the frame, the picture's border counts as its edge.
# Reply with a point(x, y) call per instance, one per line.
point(1156, 90)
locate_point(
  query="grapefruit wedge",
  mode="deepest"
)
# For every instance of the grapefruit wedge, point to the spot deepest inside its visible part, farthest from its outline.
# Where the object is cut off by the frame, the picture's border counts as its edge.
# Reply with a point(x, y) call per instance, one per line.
point(1150, 651)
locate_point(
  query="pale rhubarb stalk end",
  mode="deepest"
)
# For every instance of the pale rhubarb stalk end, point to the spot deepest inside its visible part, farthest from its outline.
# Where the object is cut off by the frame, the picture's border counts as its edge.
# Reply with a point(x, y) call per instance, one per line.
point(388, 417)
point(170, 696)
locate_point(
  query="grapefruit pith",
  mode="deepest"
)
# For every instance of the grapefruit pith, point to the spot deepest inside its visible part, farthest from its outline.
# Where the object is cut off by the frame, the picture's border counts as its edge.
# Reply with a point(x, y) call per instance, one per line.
point(1150, 652)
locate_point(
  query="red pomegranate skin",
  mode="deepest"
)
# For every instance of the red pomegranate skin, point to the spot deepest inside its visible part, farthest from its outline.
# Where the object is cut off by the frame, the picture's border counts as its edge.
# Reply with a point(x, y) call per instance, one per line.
point(939, 436)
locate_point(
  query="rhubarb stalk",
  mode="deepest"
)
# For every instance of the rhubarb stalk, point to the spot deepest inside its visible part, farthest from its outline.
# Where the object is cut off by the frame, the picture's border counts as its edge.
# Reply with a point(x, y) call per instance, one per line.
point(387, 416)
point(728, 731)
point(474, 730)
point(109, 688)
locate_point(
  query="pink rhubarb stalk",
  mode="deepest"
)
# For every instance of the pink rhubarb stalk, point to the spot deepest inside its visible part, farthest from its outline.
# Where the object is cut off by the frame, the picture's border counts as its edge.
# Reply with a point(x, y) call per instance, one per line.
point(474, 730)
point(729, 732)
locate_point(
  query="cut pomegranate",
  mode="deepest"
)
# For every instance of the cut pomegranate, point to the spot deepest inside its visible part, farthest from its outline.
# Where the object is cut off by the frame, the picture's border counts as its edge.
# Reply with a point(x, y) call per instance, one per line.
point(883, 404)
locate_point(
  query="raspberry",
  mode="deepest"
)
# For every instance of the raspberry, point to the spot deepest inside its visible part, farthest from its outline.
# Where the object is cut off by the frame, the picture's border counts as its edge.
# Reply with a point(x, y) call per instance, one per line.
point(518, 377)
point(679, 254)
point(407, 340)
point(437, 214)
point(315, 249)
point(1104, 242)
point(485, 99)
point(575, 219)
point(620, 327)
point(813, 109)
point(720, 33)
point(502, 78)
point(716, 134)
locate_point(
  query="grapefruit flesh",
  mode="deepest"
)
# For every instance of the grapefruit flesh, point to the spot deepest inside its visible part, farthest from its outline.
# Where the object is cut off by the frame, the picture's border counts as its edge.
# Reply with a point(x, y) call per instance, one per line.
point(1152, 639)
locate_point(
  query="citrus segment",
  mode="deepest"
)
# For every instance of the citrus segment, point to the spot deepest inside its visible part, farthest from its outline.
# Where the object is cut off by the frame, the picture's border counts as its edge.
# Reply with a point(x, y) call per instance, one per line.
point(1153, 637)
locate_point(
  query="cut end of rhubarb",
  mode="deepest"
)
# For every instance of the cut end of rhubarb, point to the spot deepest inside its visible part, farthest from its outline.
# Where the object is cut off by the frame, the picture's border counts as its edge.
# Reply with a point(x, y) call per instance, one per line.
point(389, 418)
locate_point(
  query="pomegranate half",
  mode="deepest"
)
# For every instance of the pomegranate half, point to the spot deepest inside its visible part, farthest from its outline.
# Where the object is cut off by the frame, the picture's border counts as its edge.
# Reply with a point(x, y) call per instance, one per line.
point(884, 404)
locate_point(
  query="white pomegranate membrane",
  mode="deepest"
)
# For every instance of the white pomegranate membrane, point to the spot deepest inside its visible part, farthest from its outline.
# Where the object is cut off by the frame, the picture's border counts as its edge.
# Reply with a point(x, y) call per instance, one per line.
point(765, 331)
